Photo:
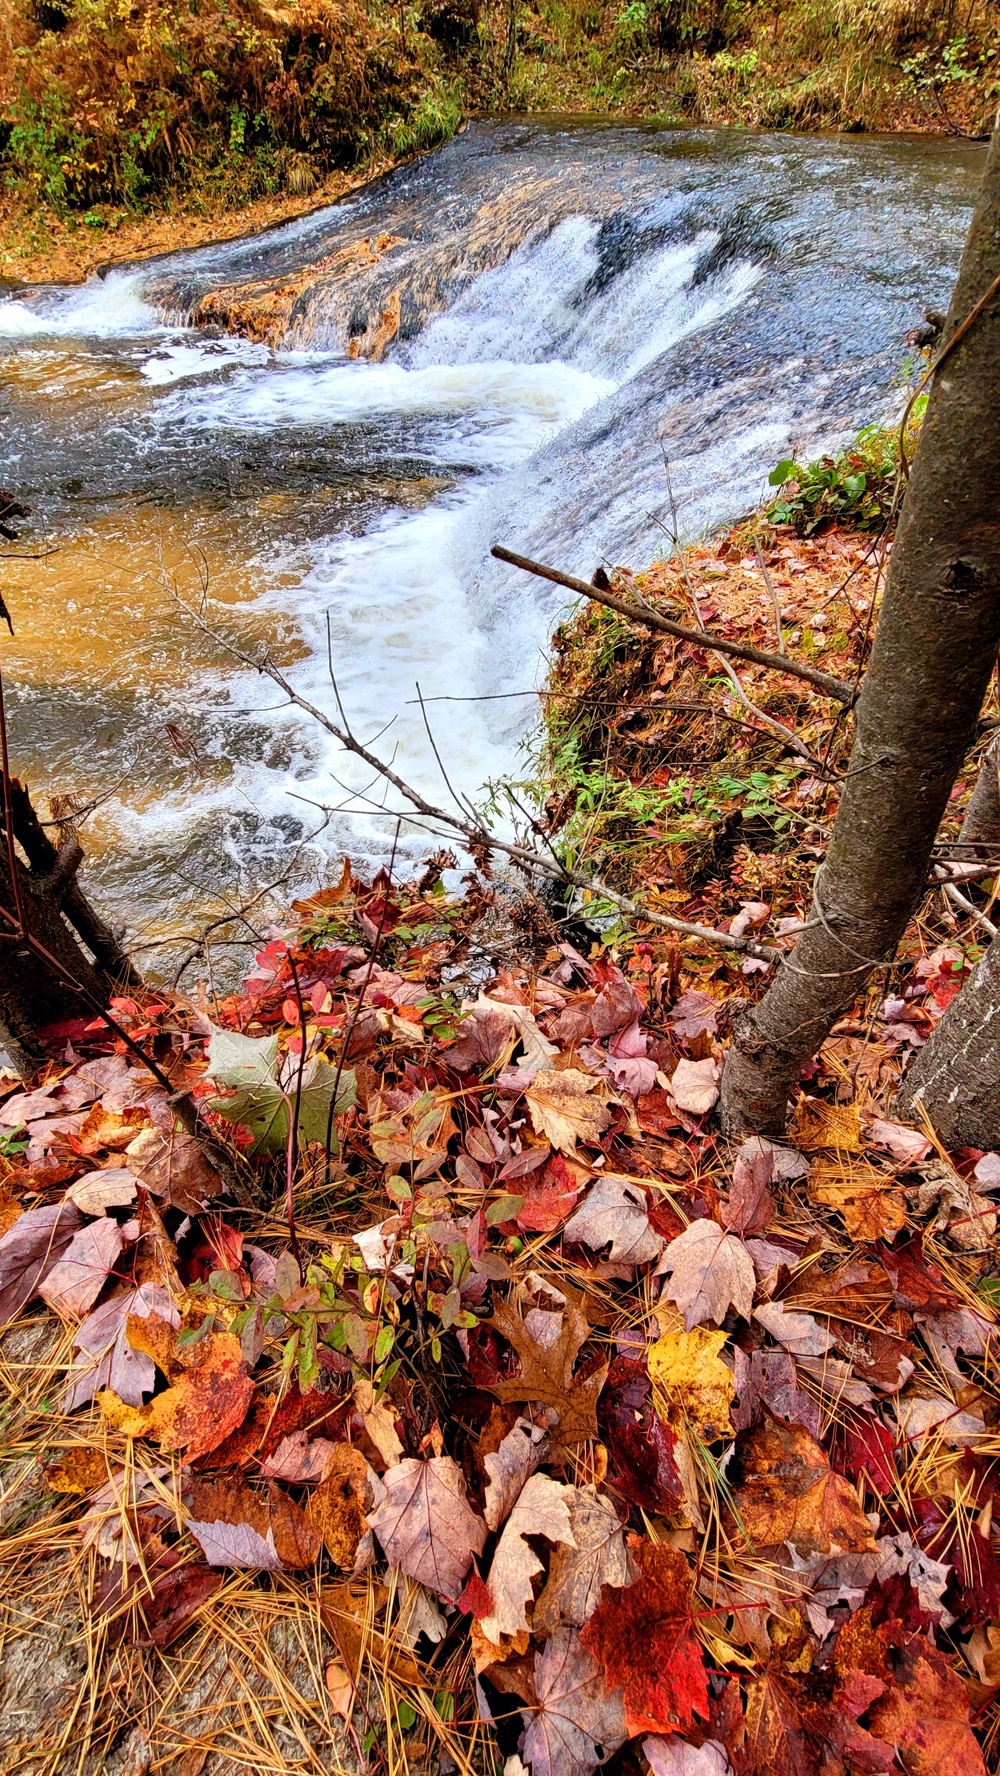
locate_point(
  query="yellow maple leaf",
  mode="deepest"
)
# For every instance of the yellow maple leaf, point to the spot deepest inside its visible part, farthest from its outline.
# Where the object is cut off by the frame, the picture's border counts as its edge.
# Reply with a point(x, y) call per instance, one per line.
point(133, 1421)
point(690, 1380)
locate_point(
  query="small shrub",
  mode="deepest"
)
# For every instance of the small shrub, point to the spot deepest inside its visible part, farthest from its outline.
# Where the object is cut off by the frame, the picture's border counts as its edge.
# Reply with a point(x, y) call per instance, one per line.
point(860, 485)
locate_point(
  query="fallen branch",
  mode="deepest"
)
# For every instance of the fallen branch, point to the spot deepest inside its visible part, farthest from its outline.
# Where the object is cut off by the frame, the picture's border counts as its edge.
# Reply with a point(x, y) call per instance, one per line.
point(822, 681)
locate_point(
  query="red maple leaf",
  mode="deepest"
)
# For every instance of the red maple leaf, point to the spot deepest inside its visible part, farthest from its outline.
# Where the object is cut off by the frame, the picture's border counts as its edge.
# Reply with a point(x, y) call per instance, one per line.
point(643, 1636)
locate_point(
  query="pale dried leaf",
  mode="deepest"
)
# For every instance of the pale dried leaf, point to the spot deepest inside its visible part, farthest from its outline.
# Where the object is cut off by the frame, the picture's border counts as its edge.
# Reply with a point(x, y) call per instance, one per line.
point(563, 1107)
point(298, 1460)
point(799, 1333)
point(73, 1285)
point(30, 1249)
point(695, 1086)
point(904, 1144)
point(426, 1525)
point(105, 1359)
point(615, 1213)
point(675, 1757)
point(578, 1723)
point(541, 1510)
point(941, 1418)
point(710, 1271)
point(538, 1050)
point(508, 1467)
point(100, 1191)
point(235, 1544)
point(418, 1614)
point(576, 1573)
point(379, 1421)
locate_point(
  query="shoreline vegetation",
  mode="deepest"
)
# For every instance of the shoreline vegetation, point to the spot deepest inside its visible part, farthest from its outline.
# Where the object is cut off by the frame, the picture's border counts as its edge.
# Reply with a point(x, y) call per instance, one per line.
point(131, 131)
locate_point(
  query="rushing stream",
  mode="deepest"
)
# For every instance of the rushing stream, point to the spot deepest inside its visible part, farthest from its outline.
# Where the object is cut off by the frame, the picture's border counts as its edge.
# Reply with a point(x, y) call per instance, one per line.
point(570, 302)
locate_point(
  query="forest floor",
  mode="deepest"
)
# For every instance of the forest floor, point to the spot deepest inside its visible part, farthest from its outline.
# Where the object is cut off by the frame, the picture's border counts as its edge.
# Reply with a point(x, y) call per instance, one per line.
point(539, 1425)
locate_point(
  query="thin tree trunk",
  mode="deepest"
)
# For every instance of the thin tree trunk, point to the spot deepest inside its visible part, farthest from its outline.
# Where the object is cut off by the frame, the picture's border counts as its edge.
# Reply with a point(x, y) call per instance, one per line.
point(934, 650)
point(956, 1076)
point(980, 834)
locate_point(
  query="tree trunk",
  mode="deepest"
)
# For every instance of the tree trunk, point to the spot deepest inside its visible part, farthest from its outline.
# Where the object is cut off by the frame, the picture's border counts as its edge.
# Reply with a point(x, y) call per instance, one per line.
point(956, 1076)
point(934, 650)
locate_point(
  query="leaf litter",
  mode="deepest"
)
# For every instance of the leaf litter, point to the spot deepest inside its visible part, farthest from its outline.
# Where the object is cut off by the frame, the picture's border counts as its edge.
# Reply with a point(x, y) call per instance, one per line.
point(556, 1432)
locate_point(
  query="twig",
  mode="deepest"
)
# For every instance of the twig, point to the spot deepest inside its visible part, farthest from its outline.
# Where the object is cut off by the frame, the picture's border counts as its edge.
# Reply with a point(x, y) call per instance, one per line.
point(956, 895)
point(769, 583)
point(478, 835)
point(822, 681)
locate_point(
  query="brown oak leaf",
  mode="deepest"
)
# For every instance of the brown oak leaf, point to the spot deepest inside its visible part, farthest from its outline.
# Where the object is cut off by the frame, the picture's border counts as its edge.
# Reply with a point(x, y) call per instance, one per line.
point(547, 1372)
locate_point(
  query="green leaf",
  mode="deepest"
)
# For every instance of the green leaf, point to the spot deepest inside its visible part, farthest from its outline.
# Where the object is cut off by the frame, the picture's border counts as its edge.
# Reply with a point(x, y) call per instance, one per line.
point(266, 1088)
point(406, 1715)
point(504, 1209)
point(788, 470)
point(384, 1343)
point(238, 1060)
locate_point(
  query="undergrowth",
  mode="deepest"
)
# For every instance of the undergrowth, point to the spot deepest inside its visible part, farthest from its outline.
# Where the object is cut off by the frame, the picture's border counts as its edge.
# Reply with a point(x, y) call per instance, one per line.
point(860, 485)
point(107, 108)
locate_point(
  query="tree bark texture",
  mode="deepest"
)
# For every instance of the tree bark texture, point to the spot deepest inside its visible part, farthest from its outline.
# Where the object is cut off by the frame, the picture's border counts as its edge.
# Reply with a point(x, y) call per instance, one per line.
point(934, 649)
point(956, 1075)
point(981, 826)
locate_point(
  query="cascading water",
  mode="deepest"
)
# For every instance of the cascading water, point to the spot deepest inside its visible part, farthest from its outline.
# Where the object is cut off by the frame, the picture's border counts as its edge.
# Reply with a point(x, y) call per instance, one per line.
point(566, 306)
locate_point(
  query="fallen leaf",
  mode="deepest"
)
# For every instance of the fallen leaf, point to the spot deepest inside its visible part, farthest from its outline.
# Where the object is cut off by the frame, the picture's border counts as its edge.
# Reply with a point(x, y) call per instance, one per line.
point(934, 1414)
point(379, 1421)
point(339, 1689)
point(105, 1358)
point(237, 1526)
point(563, 1109)
point(538, 1050)
point(176, 1598)
point(336, 1509)
point(816, 1125)
point(676, 1757)
point(415, 1133)
point(786, 1491)
point(173, 1166)
point(265, 1084)
point(614, 1213)
point(105, 1130)
point(30, 1249)
point(924, 1713)
point(872, 1209)
point(642, 1636)
point(578, 1723)
point(750, 1207)
point(299, 1460)
point(418, 1615)
point(691, 1382)
point(426, 1525)
point(710, 1271)
point(509, 1467)
point(694, 1014)
point(546, 1376)
point(485, 1041)
point(74, 1283)
point(98, 1192)
point(905, 1144)
point(541, 1510)
point(694, 1086)
point(787, 1163)
point(775, 1743)
point(548, 1199)
point(201, 1408)
point(577, 1570)
point(799, 1333)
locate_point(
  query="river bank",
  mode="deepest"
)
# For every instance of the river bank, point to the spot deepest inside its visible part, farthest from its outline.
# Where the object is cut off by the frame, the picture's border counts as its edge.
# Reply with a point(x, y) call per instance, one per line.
point(94, 167)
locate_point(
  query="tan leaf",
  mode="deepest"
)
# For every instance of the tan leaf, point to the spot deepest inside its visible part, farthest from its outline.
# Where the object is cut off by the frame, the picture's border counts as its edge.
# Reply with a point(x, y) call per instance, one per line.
point(509, 1466)
point(379, 1422)
point(563, 1107)
point(418, 1615)
point(710, 1271)
point(577, 1572)
point(339, 1688)
point(871, 1208)
point(547, 1371)
point(538, 1050)
point(73, 1284)
point(799, 1333)
point(336, 1508)
point(541, 1510)
point(816, 1125)
point(100, 1191)
point(615, 1213)
point(694, 1086)
point(426, 1524)
point(173, 1166)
